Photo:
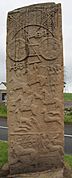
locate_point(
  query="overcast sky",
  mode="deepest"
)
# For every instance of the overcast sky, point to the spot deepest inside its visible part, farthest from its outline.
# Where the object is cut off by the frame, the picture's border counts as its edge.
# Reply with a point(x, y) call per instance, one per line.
point(8, 5)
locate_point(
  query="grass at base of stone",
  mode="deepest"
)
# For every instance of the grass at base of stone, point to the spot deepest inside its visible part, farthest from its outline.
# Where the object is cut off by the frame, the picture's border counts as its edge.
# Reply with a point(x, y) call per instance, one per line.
point(68, 160)
point(3, 110)
point(3, 153)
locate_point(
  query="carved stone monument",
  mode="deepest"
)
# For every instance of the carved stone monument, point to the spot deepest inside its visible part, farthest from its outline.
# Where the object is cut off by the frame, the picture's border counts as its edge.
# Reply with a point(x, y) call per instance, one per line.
point(35, 88)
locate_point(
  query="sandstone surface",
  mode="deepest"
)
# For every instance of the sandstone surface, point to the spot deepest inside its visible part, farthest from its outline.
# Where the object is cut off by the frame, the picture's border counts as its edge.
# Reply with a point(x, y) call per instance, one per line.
point(35, 88)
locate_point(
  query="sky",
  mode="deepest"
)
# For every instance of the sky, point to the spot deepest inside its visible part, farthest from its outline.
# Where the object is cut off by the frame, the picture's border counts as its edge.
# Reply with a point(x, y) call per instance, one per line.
point(8, 5)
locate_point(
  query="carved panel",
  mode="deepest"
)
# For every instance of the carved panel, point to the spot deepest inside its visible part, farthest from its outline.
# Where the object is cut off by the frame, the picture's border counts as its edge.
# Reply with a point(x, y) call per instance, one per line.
point(35, 88)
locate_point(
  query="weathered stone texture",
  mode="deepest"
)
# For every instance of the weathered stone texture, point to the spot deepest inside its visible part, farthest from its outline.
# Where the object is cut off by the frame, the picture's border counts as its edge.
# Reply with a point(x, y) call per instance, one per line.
point(35, 88)
point(44, 174)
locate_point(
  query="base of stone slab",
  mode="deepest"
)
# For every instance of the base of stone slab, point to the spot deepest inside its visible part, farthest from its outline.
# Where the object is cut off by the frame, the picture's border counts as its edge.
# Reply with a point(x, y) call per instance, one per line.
point(44, 174)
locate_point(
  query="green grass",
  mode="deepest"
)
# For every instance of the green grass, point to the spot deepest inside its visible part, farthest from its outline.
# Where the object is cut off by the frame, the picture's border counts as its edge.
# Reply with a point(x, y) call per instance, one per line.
point(68, 118)
point(68, 160)
point(68, 114)
point(3, 153)
point(3, 110)
point(67, 96)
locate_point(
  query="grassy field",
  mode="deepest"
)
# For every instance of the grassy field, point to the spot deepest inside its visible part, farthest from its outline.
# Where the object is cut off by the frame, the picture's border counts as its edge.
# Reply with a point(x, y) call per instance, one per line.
point(67, 96)
point(68, 114)
point(3, 153)
point(3, 110)
point(68, 160)
point(68, 118)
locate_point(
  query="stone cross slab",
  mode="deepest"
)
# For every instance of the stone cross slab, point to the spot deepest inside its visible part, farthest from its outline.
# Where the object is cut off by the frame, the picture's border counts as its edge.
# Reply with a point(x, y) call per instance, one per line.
point(35, 88)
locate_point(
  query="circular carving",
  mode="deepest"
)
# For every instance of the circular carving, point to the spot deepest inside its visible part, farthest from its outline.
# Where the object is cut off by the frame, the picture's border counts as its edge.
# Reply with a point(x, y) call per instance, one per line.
point(16, 50)
point(49, 48)
point(36, 41)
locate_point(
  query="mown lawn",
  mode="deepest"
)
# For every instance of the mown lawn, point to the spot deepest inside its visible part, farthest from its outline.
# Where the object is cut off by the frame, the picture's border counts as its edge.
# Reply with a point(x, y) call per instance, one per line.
point(3, 153)
point(68, 160)
point(67, 96)
point(3, 110)
point(68, 111)
point(68, 118)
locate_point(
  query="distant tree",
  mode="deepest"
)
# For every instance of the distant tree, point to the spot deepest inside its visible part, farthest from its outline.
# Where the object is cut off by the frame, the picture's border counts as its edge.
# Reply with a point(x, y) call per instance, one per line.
point(64, 84)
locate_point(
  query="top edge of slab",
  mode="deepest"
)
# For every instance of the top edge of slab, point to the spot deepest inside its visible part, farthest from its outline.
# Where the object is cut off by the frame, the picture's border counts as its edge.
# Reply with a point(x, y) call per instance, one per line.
point(34, 5)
